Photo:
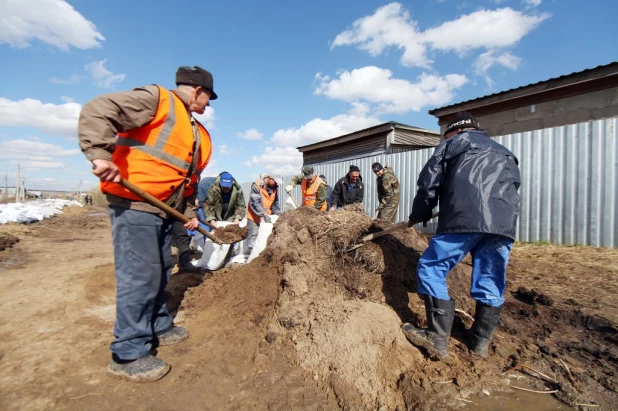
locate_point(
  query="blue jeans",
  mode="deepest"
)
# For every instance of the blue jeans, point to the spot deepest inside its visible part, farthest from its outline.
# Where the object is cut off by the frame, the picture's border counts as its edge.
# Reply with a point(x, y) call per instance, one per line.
point(490, 256)
point(143, 262)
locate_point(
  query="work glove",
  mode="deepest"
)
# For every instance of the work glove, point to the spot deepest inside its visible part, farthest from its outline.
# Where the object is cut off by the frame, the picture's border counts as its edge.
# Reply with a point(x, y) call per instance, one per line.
point(267, 219)
point(289, 188)
point(412, 222)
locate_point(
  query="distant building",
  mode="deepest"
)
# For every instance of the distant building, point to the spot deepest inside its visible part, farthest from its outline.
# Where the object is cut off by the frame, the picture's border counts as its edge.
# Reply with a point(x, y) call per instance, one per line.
point(387, 138)
point(570, 99)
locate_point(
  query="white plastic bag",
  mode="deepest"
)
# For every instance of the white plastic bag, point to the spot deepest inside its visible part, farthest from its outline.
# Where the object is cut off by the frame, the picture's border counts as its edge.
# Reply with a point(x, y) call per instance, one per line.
point(214, 255)
point(262, 238)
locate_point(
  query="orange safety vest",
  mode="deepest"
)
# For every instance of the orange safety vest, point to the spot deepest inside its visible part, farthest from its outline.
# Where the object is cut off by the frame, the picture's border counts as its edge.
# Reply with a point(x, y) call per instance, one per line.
point(267, 202)
point(157, 157)
point(310, 194)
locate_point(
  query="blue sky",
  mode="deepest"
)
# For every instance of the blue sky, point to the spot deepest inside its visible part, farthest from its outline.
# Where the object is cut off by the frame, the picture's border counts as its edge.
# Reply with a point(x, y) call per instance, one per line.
point(287, 73)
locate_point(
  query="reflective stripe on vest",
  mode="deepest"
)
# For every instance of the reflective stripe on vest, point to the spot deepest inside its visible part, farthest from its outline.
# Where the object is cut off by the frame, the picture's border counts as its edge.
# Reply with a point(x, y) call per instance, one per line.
point(156, 150)
point(158, 156)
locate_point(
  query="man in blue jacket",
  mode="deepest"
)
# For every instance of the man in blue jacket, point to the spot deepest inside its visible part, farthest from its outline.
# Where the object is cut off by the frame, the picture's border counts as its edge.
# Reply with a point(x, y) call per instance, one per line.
point(475, 180)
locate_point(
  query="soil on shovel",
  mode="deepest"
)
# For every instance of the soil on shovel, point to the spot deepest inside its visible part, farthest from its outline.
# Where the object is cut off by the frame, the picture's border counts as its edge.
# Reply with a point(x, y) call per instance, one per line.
point(231, 234)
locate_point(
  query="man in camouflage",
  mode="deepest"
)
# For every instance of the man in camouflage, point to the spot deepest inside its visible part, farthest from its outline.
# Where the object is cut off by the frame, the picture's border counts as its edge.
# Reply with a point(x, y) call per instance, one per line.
point(225, 200)
point(388, 192)
point(316, 200)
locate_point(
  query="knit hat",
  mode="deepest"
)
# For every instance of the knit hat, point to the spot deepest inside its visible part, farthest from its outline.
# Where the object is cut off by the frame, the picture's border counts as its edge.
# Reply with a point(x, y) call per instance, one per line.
point(323, 178)
point(196, 76)
point(354, 168)
point(307, 172)
point(226, 180)
point(376, 167)
point(463, 119)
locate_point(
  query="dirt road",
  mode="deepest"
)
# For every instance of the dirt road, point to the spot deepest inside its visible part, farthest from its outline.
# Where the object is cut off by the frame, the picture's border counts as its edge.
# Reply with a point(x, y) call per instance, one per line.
point(57, 311)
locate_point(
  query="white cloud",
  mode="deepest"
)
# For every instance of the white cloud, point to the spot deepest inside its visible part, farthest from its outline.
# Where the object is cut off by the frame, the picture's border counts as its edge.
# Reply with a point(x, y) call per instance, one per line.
point(101, 76)
point(251, 134)
point(34, 155)
point(483, 29)
point(532, 3)
point(211, 170)
point(54, 22)
point(207, 119)
point(60, 119)
point(281, 157)
point(491, 58)
point(319, 129)
point(224, 149)
point(67, 99)
point(392, 26)
point(278, 160)
point(71, 80)
point(392, 95)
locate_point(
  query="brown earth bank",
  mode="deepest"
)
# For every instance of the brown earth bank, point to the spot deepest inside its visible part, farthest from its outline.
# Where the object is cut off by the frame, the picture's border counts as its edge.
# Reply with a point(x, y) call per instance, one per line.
point(304, 326)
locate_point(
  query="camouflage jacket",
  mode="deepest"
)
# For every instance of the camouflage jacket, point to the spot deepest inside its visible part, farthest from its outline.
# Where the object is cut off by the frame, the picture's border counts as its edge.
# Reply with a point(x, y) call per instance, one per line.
point(213, 206)
point(388, 189)
point(321, 195)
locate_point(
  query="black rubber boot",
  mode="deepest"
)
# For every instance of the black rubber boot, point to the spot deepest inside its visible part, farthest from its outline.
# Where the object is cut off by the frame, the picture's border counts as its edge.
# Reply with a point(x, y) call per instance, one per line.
point(486, 319)
point(171, 337)
point(145, 369)
point(440, 315)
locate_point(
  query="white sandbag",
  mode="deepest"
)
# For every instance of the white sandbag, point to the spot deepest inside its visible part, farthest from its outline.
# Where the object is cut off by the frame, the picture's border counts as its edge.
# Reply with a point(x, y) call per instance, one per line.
point(214, 255)
point(262, 238)
point(197, 242)
point(289, 204)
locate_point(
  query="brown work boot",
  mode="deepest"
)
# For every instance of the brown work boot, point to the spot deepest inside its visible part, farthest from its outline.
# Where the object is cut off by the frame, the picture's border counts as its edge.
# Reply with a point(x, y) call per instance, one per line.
point(145, 369)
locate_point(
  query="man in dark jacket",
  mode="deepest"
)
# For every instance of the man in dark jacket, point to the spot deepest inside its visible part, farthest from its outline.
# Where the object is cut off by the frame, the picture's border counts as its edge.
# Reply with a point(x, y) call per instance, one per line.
point(348, 190)
point(476, 181)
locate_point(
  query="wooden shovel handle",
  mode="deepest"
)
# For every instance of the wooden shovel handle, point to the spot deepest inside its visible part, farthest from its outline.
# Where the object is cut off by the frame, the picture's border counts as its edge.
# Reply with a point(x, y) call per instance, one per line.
point(163, 207)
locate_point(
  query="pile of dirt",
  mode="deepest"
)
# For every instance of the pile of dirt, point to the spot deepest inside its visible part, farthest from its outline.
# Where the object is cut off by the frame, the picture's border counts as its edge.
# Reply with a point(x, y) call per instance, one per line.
point(342, 312)
point(7, 241)
point(231, 234)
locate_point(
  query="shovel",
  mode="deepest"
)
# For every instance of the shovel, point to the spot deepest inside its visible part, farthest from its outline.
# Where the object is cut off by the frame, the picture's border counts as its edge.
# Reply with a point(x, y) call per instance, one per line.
point(396, 227)
point(163, 207)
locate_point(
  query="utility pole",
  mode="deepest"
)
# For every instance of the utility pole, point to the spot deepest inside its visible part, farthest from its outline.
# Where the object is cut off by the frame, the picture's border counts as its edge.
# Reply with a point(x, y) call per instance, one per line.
point(6, 186)
point(17, 186)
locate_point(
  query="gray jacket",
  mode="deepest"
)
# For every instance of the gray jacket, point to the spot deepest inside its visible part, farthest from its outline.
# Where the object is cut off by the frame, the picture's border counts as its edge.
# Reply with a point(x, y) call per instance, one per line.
point(476, 182)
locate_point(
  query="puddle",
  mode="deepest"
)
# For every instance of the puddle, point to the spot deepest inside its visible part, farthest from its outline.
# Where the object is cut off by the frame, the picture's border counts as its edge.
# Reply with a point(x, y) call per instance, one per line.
point(515, 400)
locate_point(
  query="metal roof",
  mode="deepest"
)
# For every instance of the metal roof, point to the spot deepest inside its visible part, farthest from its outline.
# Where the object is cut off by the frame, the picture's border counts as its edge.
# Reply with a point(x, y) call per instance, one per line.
point(533, 88)
point(366, 132)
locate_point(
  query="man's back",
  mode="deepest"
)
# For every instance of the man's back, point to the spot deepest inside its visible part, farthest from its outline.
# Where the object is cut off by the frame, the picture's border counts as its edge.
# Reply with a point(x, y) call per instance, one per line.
point(479, 192)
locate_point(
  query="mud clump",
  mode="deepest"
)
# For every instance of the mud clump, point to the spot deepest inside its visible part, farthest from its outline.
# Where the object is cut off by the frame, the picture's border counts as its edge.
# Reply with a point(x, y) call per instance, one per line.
point(7, 241)
point(533, 297)
point(341, 312)
point(231, 234)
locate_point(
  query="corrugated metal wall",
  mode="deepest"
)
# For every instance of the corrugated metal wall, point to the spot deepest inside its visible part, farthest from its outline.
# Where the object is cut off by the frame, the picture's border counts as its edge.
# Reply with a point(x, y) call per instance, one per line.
point(569, 186)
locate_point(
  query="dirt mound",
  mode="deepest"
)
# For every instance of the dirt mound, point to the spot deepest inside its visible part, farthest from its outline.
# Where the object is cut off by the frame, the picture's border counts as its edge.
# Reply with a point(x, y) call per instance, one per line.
point(7, 241)
point(231, 234)
point(342, 313)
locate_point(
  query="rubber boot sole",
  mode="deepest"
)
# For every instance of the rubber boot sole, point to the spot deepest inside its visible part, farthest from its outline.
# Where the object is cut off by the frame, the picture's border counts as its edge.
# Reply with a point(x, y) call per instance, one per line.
point(420, 338)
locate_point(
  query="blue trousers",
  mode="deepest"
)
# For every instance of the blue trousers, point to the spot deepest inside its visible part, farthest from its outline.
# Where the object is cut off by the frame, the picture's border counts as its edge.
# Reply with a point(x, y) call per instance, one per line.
point(143, 262)
point(490, 256)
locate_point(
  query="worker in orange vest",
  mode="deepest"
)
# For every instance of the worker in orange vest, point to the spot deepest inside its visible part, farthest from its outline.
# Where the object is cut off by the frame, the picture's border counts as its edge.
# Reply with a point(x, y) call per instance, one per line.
point(148, 137)
point(263, 203)
point(313, 188)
